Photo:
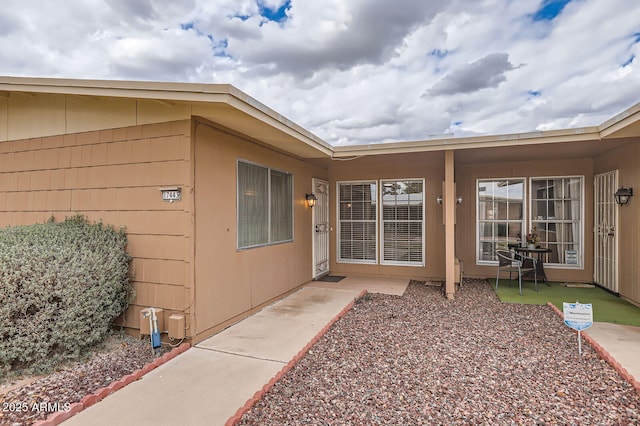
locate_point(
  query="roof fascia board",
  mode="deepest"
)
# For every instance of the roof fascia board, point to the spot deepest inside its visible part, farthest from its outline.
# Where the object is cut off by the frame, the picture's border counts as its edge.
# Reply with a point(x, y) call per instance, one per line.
point(185, 92)
point(257, 110)
point(520, 139)
point(626, 118)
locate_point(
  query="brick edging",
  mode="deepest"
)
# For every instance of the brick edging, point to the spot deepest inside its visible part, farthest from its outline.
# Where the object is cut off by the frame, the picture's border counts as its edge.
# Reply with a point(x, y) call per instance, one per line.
point(603, 354)
point(256, 397)
point(60, 416)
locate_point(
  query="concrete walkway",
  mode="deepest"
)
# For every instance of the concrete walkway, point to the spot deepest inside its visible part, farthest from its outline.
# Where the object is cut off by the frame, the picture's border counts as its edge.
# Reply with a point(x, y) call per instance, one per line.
point(207, 384)
point(621, 341)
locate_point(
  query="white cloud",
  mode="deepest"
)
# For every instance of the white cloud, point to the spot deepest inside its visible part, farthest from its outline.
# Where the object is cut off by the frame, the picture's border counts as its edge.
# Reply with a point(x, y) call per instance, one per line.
point(486, 72)
point(362, 71)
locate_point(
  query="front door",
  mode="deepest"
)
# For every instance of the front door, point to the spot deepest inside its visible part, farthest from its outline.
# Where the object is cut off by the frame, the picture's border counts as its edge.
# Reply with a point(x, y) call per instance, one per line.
point(605, 231)
point(321, 228)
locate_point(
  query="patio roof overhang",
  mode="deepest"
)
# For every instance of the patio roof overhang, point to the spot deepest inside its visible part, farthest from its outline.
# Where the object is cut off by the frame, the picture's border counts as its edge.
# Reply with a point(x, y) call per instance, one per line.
point(565, 143)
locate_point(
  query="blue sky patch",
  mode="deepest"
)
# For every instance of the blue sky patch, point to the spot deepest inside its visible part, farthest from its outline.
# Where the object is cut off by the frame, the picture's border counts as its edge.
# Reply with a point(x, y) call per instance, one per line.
point(534, 93)
point(241, 17)
point(550, 10)
point(439, 53)
point(636, 38)
point(277, 15)
point(629, 61)
point(219, 47)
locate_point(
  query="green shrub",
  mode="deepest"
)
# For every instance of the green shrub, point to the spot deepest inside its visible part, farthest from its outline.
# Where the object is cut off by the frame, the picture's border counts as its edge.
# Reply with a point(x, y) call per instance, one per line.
point(61, 286)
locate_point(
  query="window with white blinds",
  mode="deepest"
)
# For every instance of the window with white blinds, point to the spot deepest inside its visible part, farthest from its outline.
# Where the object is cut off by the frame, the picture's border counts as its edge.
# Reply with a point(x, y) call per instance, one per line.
point(402, 221)
point(357, 222)
point(265, 205)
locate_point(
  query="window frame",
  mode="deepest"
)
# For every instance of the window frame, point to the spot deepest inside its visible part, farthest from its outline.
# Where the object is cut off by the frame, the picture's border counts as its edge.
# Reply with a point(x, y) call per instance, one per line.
point(339, 221)
point(268, 169)
point(580, 222)
point(382, 221)
point(523, 220)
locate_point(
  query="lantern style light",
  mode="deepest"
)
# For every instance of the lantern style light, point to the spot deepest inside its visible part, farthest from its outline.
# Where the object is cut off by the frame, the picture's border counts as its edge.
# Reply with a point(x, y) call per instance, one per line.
point(623, 195)
point(311, 200)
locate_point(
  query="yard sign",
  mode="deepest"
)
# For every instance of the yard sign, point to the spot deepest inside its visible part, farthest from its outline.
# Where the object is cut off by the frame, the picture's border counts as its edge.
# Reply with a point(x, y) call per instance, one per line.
point(578, 316)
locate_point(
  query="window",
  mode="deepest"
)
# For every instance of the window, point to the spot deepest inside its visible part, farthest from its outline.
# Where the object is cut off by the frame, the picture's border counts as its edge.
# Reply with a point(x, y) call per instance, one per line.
point(500, 213)
point(265, 205)
point(402, 227)
point(281, 207)
point(556, 213)
point(357, 219)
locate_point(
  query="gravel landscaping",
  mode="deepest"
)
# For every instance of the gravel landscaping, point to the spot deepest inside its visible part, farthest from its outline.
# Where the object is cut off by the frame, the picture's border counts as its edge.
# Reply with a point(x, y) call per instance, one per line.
point(26, 401)
point(421, 359)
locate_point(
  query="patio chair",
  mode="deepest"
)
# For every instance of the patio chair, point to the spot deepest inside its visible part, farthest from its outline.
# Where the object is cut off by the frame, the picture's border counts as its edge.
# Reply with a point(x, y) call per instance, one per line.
point(516, 263)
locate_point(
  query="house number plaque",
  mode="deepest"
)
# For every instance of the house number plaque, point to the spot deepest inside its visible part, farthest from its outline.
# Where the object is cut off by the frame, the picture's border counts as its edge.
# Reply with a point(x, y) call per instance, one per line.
point(171, 194)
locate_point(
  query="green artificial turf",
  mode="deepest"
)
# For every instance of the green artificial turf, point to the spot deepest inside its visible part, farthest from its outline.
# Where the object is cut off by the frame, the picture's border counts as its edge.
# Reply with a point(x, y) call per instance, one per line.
point(606, 306)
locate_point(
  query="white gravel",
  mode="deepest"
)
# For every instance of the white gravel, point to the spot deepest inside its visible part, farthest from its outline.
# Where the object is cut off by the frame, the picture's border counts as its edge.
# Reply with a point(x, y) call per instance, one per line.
point(420, 359)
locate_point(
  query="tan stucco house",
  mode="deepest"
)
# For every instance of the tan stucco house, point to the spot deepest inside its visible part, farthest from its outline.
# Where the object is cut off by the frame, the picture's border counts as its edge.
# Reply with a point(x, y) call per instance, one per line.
point(212, 187)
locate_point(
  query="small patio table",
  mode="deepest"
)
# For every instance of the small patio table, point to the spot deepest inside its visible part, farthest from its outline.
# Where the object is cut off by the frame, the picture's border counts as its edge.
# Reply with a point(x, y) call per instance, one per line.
point(540, 254)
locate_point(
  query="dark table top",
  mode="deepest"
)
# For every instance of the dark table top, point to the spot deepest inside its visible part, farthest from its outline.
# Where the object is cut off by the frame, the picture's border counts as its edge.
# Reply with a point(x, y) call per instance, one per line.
point(532, 250)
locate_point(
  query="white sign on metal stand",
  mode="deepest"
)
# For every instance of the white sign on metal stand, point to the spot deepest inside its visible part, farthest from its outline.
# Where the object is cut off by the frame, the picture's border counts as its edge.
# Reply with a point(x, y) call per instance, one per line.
point(578, 316)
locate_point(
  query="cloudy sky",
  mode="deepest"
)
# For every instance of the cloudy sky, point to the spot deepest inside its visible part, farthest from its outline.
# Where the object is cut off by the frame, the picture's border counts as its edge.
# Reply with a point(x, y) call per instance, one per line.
point(354, 71)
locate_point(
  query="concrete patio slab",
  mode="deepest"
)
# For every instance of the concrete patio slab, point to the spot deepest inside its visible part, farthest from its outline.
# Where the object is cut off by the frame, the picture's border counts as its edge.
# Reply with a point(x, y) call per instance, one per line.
point(373, 284)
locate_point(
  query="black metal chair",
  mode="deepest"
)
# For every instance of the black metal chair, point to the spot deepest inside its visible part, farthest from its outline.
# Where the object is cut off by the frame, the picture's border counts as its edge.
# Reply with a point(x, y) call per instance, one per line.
point(516, 263)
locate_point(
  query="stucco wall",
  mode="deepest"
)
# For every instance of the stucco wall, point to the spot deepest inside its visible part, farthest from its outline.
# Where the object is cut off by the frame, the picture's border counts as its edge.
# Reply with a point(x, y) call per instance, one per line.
point(429, 166)
point(466, 176)
point(625, 159)
point(229, 283)
point(113, 176)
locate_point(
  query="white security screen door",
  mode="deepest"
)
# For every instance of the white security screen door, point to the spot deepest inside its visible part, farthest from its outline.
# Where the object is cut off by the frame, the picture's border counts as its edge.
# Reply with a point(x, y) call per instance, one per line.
point(321, 228)
point(605, 231)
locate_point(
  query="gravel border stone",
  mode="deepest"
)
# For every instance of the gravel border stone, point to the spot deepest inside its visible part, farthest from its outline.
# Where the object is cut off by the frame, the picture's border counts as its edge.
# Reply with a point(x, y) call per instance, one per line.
point(421, 359)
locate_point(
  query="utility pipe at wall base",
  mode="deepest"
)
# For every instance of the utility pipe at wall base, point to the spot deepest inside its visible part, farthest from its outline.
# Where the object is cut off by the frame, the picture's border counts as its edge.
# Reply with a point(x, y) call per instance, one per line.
point(155, 333)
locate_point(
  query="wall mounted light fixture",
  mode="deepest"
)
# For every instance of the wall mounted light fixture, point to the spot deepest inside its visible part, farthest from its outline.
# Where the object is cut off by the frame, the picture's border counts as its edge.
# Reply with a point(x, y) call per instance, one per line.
point(623, 195)
point(459, 200)
point(311, 200)
point(439, 199)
